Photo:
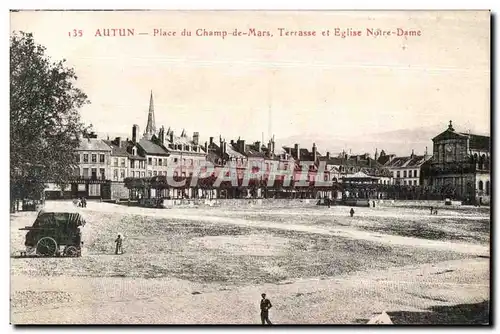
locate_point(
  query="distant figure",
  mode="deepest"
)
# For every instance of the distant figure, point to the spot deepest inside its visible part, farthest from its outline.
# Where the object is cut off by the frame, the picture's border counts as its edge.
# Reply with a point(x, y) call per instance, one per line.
point(432, 210)
point(435, 211)
point(84, 202)
point(373, 203)
point(265, 305)
point(352, 212)
point(118, 242)
point(329, 202)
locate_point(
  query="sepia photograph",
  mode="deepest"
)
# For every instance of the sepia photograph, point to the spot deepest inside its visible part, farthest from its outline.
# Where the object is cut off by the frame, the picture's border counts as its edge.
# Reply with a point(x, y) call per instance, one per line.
point(266, 167)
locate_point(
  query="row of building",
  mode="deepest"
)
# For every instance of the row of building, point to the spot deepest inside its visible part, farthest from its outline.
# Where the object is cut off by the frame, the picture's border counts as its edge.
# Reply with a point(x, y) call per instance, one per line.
point(459, 167)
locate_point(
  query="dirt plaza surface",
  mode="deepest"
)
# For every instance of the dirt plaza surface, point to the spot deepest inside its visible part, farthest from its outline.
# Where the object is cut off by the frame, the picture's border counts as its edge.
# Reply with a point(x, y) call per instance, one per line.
point(209, 265)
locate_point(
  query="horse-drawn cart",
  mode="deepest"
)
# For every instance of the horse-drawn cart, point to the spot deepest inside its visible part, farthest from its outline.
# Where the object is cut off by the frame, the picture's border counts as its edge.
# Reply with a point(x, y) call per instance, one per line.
point(55, 234)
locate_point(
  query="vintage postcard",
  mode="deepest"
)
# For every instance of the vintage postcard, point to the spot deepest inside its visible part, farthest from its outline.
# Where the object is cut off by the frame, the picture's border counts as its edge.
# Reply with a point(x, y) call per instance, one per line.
point(250, 167)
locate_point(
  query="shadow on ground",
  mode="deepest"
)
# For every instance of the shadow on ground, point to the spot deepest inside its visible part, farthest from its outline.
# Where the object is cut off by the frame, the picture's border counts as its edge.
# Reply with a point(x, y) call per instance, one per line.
point(462, 314)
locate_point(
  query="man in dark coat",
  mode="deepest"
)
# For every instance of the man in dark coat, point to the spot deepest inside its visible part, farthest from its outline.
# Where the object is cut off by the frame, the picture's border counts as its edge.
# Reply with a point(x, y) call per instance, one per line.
point(265, 305)
point(118, 242)
point(352, 212)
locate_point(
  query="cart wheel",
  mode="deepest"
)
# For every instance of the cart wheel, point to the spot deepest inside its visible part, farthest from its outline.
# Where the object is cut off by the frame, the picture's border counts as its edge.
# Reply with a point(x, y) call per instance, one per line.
point(46, 247)
point(71, 251)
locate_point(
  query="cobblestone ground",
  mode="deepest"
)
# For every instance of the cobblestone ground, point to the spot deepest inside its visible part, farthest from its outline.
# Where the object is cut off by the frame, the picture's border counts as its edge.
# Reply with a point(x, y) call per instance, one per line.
point(181, 265)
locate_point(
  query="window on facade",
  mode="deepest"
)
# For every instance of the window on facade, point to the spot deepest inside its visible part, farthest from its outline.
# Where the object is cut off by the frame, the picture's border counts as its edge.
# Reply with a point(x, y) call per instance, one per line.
point(133, 174)
point(85, 158)
point(404, 173)
point(150, 161)
point(115, 162)
point(115, 174)
point(94, 158)
point(101, 158)
point(77, 157)
point(398, 174)
point(155, 173)
point(409, 173)
point(94, 173)
point(102, 172)
point(134, 150)
point(150, 173)
point(487, 188)
point(175, 160)
point(122, 173)
point(123, 162)
point(85, 172)
point(404, 182)
point(155, 162)
point(480, 185)
point(415, 173)
point(160, 162)
point(143, 174)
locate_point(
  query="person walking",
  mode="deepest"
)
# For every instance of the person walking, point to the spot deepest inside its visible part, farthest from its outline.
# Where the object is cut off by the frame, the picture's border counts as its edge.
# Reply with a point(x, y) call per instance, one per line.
point(352, 212)
point(118, 242)
point(265, 305)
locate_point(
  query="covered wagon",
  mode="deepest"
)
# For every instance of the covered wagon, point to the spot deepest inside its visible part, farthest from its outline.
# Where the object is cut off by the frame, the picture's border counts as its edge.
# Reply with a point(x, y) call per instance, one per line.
point(55, 234)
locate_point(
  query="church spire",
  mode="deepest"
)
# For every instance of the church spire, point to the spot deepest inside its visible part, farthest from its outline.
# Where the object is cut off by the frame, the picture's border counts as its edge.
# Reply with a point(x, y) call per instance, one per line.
point(150, 126)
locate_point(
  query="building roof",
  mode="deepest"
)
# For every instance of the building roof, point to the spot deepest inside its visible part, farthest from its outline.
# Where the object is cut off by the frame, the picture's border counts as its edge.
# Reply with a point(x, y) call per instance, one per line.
point(231, 151)
point(251, 152)
point(151, 148)
point(384, 159)
point(478, 142)
point(93, 144)
point(304, 153)
point(120, 151)
point(407, 162)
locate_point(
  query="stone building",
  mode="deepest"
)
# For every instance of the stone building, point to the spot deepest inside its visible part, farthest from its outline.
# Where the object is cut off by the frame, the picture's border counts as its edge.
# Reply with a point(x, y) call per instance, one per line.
point(460, 167)
point(93, 157)
point(406, 171)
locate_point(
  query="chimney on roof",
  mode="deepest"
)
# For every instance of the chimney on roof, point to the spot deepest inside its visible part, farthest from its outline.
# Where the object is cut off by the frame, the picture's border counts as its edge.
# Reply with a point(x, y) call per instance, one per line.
point(118, 141)
point(206, 147)
point(211, 140)
point(258, 147)
point(196, 138)
point(241, 146)
point(273, 143)
point(412, 153)
point(297, 151)
point(327, 155)
point(135, 131)
point(224, 147)
point(376, 153)
point(315, 152)
point(172, 136)
point(161, 135)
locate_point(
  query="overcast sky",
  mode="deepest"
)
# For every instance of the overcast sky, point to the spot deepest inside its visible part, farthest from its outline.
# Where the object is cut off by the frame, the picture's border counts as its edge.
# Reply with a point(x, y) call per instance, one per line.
point(309, 85)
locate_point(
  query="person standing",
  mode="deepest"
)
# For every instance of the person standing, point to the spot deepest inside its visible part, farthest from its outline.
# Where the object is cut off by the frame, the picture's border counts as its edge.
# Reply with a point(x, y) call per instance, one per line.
point(352, 212)
point(265, 305)
point(118, 242)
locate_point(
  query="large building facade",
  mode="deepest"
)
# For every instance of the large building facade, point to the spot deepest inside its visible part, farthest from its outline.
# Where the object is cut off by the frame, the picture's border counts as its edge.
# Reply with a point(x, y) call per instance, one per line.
point(460, 167)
